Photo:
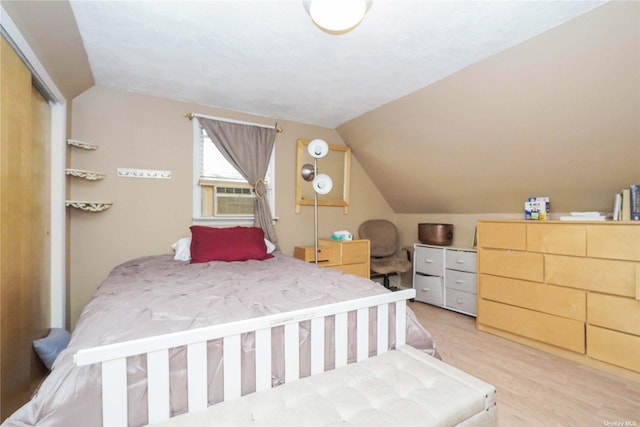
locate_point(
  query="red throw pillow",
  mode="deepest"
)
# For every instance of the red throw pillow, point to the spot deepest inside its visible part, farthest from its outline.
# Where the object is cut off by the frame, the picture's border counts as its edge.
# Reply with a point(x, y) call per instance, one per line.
point(227, 244)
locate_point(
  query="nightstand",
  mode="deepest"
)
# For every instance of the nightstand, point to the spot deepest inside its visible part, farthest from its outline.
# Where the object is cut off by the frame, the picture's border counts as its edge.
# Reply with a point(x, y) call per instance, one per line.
point(349, 256)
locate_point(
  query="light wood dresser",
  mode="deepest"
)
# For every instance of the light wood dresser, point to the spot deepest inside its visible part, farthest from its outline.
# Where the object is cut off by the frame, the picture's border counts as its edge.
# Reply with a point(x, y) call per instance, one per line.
point(350, 256)
point(569, 288)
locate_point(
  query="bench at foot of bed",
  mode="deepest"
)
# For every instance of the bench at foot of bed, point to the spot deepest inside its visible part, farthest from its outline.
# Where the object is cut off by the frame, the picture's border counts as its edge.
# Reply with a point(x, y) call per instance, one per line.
point(402, 387)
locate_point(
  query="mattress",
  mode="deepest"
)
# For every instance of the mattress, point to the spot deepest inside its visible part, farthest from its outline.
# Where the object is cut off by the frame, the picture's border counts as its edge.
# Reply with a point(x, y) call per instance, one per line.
point(156, 295)
point(402, 387)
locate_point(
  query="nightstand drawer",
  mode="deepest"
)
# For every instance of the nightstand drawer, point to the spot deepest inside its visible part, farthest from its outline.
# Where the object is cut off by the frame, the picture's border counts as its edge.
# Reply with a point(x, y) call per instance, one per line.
point(326, 255)
point(429, 260)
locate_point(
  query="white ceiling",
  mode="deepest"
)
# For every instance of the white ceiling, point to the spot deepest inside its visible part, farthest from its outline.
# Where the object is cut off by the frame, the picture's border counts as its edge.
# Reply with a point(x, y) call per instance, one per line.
point(267, 57)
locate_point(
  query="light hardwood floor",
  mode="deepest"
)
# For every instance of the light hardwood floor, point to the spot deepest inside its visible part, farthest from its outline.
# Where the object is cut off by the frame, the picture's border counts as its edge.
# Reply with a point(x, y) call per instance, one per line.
point(534, 388)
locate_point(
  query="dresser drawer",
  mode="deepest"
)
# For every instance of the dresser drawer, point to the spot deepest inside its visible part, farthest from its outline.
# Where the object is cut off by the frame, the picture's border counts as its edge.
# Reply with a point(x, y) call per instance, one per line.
point(614, 347)
point(460, 280)
point(429, 260)
point(514, 264)
point(569, 239)
point(614, 241)
point(429, 289)
point(569, 303)
point(622, 314)
point(460, 260)
point(355, 252)
point(502, 235)
point(601, 275)
point(561, 332)
point(461, 301)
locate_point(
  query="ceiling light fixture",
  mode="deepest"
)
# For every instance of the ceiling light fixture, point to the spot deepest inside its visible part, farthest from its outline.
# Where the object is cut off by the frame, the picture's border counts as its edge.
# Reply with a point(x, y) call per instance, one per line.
point(337, 16)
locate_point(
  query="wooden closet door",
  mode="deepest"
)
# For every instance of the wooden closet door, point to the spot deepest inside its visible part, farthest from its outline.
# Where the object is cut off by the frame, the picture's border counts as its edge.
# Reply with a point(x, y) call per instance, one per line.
point(24, 226)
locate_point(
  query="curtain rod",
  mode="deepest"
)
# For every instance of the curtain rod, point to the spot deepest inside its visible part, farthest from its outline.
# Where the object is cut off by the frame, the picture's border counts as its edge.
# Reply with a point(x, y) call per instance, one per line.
point(190, 116)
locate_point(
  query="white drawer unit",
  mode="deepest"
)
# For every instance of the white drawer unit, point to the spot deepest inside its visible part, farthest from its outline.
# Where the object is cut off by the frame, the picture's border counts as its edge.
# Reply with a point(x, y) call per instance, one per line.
point(445, 277)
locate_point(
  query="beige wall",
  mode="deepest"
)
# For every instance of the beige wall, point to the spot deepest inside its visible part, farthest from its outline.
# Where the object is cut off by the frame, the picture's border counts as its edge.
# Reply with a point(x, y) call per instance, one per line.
point(148, 215)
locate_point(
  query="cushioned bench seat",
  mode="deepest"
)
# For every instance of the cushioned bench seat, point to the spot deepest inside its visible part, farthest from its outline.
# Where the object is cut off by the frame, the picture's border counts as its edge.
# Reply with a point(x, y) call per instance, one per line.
point(402, 387)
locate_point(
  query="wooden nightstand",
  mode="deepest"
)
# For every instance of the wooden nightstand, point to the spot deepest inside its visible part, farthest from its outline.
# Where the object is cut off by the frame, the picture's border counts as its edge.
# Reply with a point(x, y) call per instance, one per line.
point(350, 256)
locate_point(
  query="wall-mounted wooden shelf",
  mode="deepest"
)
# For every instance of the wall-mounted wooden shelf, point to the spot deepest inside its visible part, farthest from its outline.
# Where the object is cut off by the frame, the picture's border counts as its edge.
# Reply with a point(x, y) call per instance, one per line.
point(89, 206)
point(81, 144)
point(88, 175)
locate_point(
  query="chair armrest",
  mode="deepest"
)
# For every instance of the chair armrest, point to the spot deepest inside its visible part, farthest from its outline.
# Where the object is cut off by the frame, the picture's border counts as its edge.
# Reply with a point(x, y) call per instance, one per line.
point(409, 250)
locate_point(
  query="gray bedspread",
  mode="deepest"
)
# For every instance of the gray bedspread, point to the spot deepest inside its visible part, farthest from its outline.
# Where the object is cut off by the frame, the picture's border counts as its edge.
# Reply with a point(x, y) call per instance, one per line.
point(156, 295)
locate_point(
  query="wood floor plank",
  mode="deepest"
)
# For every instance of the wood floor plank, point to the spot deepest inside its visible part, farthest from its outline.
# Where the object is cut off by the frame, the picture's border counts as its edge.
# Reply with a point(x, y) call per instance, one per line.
point(535, 388)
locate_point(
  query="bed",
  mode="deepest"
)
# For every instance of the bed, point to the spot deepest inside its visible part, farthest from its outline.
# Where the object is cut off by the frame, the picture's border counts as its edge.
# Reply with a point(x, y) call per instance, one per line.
point(156, 295)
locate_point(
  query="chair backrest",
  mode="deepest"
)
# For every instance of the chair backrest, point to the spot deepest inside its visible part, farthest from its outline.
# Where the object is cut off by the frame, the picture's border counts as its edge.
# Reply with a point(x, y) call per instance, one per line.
point(383, 236)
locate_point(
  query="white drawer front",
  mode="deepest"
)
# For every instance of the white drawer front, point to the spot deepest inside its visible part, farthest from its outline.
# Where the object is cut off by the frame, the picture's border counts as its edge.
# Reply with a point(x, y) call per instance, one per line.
point(461, 260)
point(461, 301)
point(429, 260)
point(429, 289)
point(460, 280)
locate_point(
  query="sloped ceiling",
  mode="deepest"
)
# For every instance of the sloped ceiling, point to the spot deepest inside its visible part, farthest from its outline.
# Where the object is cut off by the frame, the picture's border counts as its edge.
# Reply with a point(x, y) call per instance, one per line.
point(557, 116)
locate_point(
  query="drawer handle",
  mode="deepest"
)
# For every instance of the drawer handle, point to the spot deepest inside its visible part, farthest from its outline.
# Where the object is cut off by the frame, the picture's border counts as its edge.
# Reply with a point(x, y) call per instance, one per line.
point(460, 261)
point(459, 281)
point(428, 261)
point(426, 290)
point(459, 301)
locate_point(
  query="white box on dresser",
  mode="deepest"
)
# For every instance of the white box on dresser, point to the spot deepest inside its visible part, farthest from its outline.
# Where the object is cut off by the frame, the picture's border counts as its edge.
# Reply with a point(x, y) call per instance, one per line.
point(446, 277)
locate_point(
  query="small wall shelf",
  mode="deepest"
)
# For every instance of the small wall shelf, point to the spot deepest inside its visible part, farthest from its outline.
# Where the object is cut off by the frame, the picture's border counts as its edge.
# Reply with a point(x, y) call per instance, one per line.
point(88, 175)
point(82, 144)
point(89, 206)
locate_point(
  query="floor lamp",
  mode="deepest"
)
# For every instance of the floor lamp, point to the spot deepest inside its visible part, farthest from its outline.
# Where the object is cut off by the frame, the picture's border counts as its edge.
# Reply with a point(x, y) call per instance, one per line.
point(322, 183)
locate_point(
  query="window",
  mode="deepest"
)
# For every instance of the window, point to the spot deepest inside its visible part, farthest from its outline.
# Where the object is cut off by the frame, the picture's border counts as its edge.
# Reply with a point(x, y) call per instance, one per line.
point(221, 195)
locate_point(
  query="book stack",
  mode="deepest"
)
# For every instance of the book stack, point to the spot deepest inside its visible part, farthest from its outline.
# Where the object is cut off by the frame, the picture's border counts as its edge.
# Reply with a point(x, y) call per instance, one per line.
point(626, 205)
point(585, 216)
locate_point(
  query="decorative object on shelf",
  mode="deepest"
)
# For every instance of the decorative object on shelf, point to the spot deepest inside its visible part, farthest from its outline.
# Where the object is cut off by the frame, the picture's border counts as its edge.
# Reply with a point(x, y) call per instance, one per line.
point(144, 173)
point(89, 206)
point(337, 16)
point(322, 183)
point(537, 208)
point(435, 234)
point(88, 175)
point(81, 144)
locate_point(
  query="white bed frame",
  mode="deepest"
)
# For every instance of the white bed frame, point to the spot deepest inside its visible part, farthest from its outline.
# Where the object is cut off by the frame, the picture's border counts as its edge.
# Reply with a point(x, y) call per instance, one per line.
point(113, 357)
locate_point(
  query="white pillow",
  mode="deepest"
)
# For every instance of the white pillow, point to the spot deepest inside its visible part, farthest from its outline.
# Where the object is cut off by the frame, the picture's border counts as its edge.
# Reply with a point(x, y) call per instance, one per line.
point(270, 246)
point(183, 249)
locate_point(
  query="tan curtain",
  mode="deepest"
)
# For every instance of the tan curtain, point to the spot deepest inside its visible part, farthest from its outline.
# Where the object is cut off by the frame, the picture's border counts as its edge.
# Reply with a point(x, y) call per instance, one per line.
point(248, 148)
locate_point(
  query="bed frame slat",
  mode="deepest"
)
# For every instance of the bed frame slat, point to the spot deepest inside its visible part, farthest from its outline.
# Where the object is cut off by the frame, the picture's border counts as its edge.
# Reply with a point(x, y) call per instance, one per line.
point(401, 323)
point(231, 353)
point(341, 340)
point(158, 385)
point(383, 329)
point(263, 359)
point(114, 392)
point(291, 352)
point(197, 376)
point(317, 345)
